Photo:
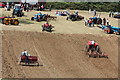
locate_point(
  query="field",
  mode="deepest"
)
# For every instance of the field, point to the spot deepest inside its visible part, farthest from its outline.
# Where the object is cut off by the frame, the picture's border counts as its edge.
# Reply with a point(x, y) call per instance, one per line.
point(61, 53)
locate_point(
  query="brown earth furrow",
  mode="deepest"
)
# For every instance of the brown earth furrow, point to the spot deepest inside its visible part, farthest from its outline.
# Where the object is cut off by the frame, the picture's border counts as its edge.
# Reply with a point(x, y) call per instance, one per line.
point(62, 55)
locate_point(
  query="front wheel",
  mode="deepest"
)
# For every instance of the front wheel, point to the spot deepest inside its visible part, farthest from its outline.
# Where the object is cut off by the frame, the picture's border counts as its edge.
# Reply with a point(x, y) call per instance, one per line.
point(32, 18)
point(43, 29)
point(37, 63)
point(67, 18)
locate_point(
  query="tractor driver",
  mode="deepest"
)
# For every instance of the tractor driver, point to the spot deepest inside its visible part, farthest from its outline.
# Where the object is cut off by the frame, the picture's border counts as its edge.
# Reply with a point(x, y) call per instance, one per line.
point(26, 54)
point(92, 44)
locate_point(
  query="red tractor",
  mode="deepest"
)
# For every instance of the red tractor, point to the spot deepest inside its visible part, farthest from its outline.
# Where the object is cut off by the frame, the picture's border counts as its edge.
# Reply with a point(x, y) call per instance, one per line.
point(31, 60)
point(94, 51)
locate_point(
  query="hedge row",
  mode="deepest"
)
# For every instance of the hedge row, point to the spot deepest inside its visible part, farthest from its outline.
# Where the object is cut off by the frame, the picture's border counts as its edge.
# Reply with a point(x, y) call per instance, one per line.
point(99, 6)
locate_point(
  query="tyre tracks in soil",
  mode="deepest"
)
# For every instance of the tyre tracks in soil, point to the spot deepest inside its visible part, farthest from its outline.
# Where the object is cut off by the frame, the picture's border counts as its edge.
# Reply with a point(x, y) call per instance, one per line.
point(45, 61)
point(14, 60)
point(61, 55)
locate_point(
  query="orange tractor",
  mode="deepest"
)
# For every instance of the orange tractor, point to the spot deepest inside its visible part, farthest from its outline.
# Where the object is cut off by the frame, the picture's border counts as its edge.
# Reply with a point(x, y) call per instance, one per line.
point(10, 20)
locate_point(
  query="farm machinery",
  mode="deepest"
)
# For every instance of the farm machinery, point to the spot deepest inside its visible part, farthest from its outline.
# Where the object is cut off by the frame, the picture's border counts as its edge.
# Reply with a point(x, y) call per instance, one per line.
point(9, 20)
point(31, 60)
point(47, 28)
point(42, 17)
point(94, 52)
point(18, 11)
point(74, 17)
point(39, 17)
point(116, 15)
point(96, 20)
point(110, 29)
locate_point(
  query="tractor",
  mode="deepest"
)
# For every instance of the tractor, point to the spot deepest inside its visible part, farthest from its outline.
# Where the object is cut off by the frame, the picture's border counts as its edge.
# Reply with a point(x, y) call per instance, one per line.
point(111, 29)
point(74, 17)
point(96, 20)
point(47, 28)
point(39, 17)
point(31, 60)
point(18, 11)
point(95, 52)
point(10, 20)
point(116, 15)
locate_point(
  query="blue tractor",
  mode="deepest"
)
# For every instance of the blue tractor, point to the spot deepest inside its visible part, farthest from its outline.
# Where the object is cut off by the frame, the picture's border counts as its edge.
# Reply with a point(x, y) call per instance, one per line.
point(111, 29)
point(96, 20)
point(39, 17)
point(74, 17)
point(17, 11)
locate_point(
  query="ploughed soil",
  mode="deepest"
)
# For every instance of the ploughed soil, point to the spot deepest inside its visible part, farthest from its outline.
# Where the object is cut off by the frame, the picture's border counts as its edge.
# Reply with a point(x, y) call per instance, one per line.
point(60, 55)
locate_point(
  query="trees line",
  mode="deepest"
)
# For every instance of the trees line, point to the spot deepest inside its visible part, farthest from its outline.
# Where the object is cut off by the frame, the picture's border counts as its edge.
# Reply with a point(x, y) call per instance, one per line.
point(99, 6)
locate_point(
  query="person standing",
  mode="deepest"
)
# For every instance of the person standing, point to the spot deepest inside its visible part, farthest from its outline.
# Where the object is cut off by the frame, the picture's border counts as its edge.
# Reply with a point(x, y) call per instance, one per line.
point(86, 21)
point(94, 12)
point(90, 23)
point(50, 7)
point(93, 22)
point(104, 21)
point(110, 14)
point(25, 53)
point(89, 11)
point(107, 21)
point(42, 8)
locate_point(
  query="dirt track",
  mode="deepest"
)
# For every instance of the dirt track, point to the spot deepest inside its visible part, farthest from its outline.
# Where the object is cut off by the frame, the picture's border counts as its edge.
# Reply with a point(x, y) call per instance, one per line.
point(62, 55)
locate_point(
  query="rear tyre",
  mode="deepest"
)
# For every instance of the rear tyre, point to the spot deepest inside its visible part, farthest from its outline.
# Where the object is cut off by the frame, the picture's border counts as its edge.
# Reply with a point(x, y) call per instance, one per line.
point(89, 56)
point(38, 20)
point(16, 22)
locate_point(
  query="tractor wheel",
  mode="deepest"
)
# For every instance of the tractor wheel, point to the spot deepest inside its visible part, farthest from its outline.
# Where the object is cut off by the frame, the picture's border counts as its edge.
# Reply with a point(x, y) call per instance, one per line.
point(73, 19)
point(16, 22)
point(119, 33)
point(97, 48)
point(43, 29)
point(108, 31)
point(32, 18)
point(50, 30)
point(19, 63)
point(67, 18)
point(17, 15)
point(3, 22)
point(86, 49)
point(6, 22)
point(37, 64)
point(45, 18)
point(89, 56)
point(38, 20)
